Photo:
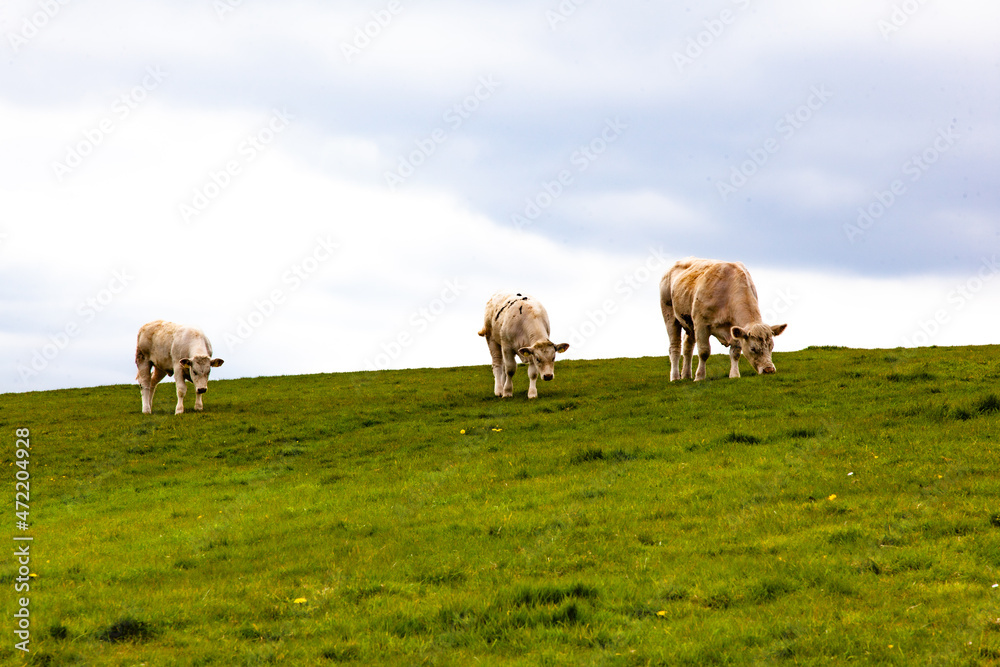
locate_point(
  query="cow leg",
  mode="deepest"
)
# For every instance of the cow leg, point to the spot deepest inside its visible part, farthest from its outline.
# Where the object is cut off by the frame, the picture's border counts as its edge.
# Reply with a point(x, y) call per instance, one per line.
point(509, 367)
point(703, 338)
point(499, 374)
point(735, 349)
point(181, 389)
point(674, 334)
point(145, 383)
point(532, 378)
point(688, 355)
point(197, 401)
point(158, 375)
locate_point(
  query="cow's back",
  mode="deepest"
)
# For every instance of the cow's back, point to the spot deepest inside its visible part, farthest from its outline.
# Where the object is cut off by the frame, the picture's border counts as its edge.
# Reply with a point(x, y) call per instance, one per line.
point(163, 343)
point(514, 317)
point(152, 335)
point(708, 289)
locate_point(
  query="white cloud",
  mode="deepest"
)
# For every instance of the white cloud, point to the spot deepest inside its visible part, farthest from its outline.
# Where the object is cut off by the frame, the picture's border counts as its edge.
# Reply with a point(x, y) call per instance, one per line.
point(642, 208)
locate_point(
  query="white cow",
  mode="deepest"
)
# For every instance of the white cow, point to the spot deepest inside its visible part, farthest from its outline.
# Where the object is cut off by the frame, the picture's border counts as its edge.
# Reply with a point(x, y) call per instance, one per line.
point(166, 349)
point(516, 325)
point(706, 298)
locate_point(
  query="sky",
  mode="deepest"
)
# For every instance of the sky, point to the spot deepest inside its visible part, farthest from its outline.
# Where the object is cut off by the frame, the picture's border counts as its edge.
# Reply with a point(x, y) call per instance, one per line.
point(327, 187)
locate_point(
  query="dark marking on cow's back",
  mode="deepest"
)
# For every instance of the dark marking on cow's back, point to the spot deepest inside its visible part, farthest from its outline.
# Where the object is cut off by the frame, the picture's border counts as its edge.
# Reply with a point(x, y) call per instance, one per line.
point(509, 303)
point(521, 310)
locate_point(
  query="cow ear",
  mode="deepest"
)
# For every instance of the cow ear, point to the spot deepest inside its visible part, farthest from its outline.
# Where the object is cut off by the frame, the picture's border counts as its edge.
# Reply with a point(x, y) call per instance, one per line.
point(562, 347)
point(217, 362)
point(186, 363)
point(738, 334)
point(778, 328)
point(526, 353)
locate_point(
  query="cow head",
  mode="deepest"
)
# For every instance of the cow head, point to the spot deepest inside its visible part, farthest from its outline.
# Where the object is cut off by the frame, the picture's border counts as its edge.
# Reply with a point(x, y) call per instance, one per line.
point(197, 370)
point(543, 354)
point(757, 341)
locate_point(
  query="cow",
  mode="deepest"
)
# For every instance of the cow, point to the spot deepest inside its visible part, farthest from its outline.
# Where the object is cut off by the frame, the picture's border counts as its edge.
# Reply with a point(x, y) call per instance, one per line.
point(706, 298)
point(165, 348)
point(516, 325)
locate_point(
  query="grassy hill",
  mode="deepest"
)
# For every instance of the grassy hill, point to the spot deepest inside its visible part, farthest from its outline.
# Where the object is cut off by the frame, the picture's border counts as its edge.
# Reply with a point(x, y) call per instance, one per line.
point(845, 510)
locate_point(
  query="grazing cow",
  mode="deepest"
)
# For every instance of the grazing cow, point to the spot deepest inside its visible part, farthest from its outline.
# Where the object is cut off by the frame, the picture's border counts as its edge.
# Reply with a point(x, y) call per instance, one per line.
point(706, 298)
point(516, 324)
point(166, 349)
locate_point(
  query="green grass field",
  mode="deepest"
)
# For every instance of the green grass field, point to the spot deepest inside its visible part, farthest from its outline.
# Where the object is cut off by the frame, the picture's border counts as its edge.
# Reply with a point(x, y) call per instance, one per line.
point(846, 510)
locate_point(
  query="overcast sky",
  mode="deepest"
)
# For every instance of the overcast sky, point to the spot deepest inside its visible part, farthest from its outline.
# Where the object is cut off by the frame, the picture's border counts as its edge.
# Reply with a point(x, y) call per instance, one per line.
point(341, 186)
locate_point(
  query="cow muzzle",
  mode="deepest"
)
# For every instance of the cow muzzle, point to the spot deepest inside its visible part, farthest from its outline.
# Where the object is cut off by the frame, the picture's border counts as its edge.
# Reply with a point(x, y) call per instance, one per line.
point(202, 390)
point(768, 370)
point(548, 377)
